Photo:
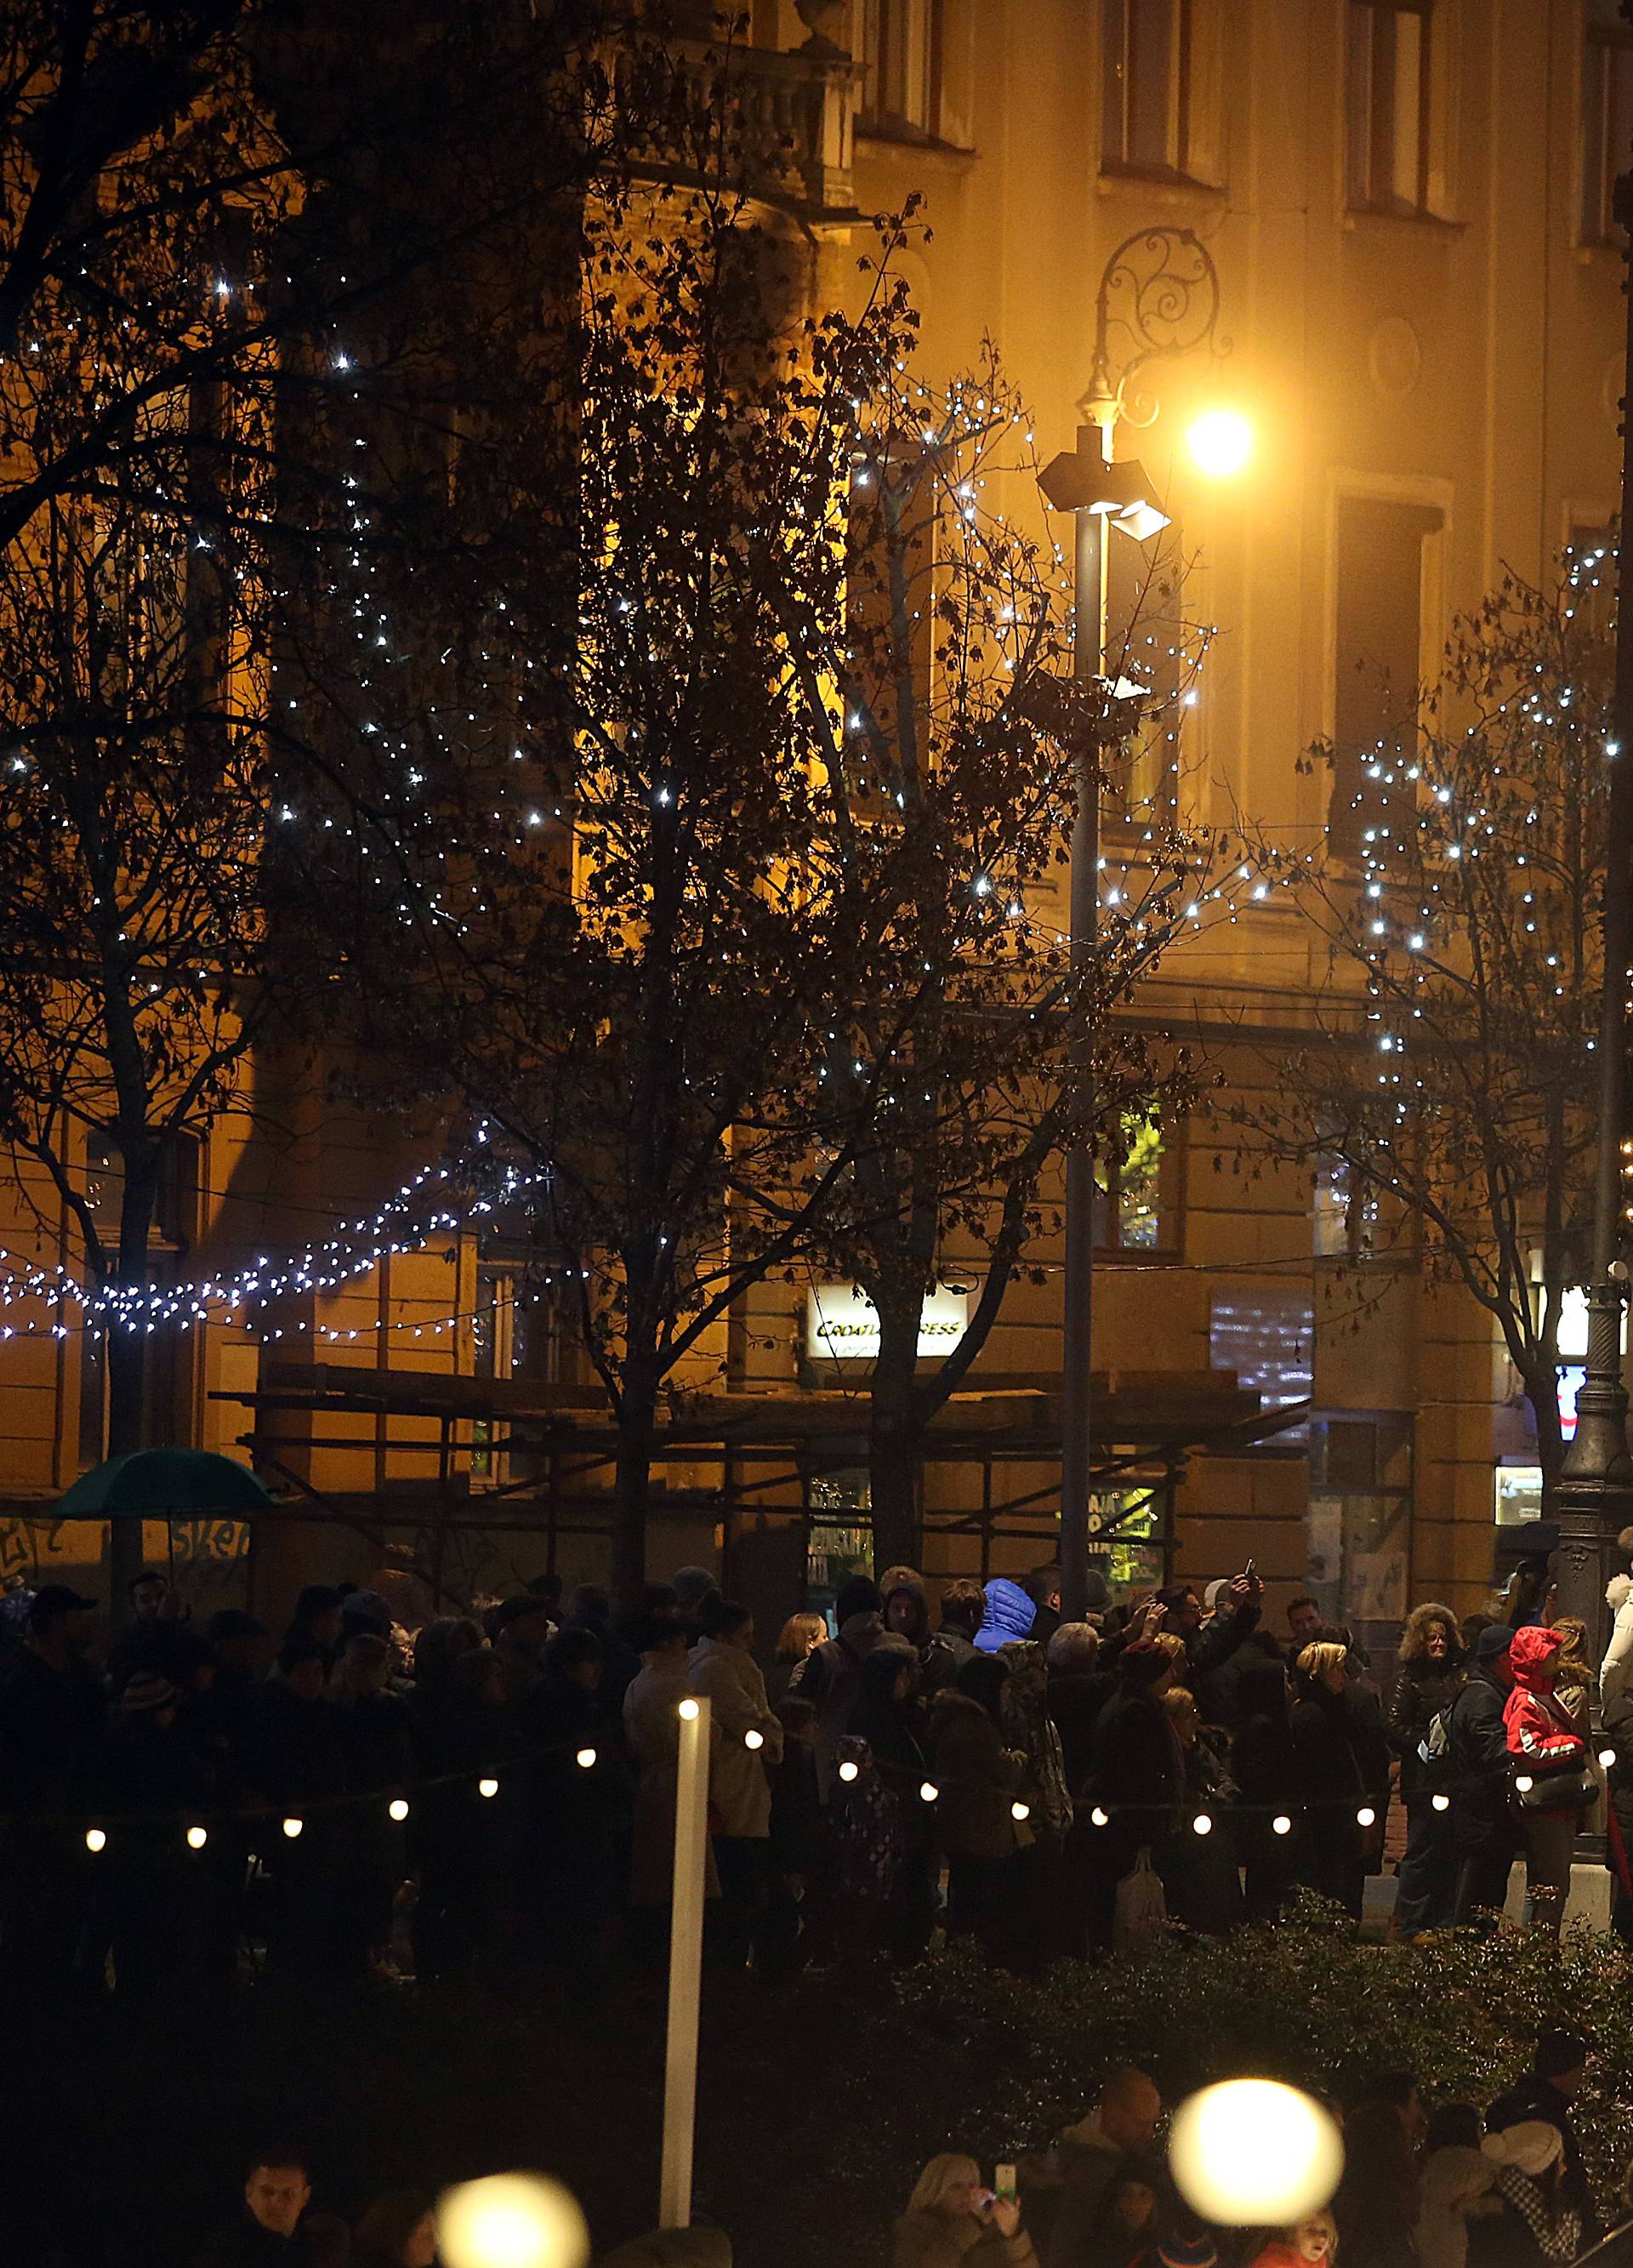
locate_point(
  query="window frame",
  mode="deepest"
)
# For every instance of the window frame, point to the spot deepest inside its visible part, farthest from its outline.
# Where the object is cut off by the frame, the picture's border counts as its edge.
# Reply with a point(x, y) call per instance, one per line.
point(902, 42)
point(1607, 42)
point(1170, 1202)
point(1118, 92)
point(1380, 135)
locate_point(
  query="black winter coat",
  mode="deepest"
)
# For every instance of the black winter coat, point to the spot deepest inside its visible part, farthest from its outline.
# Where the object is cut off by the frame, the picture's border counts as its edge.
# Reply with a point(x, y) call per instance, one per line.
point(1481, 1775)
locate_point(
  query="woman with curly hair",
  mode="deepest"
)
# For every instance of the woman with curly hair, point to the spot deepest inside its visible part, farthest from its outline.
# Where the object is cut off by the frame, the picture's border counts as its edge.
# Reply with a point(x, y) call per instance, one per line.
point(1433, 1666)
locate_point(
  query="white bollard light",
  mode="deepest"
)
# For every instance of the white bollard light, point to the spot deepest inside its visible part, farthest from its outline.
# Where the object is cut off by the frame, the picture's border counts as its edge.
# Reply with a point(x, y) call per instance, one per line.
point(511, 2220)
point(1251, 2153)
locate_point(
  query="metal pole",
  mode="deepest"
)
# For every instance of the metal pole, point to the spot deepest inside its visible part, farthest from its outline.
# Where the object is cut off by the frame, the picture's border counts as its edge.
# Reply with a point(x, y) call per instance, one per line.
point(1075, 1444)
point(686, 1962)
point(1593, 1496)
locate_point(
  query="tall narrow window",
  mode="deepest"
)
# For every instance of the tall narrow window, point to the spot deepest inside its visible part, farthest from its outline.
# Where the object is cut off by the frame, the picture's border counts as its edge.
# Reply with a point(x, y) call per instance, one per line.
point(901, 53)
point(1607, 114)
point(1137, 1196)
point(1145, 50)
point(1377, 647)
point(1386, 105)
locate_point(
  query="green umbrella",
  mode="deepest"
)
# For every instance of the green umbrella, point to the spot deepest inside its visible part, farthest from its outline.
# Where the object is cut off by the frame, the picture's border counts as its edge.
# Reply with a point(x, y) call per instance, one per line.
point(164, 1484)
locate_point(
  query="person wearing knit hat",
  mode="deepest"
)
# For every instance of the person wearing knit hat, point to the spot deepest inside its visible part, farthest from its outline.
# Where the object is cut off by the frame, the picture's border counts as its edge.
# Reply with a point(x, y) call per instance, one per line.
point(1545, 2094)
point(1534, 2226)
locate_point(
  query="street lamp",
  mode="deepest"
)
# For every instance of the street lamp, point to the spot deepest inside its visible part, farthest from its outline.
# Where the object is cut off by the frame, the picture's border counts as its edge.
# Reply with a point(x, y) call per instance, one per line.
point(1159, 296)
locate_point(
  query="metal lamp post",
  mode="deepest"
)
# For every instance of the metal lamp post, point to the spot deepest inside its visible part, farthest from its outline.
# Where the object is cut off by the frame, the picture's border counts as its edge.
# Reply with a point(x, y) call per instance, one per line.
point(1159, 296)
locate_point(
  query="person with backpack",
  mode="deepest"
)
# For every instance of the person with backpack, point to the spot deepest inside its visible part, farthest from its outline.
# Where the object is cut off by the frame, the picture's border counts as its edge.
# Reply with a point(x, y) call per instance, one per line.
point(1479, 1778)
point(1432, 1670)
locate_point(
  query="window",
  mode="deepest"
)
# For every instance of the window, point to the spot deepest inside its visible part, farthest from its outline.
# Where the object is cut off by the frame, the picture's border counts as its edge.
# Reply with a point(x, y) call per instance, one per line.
point(1268, 1338)
point(1346, 1213)
point(902, 55)
point(1145, 57)
point(1136, 1206)
point(516, 1333)
point(174, 1201)
point(1387, 106)
point(1378, 646)
point(1607, 115)
point(1146, 640)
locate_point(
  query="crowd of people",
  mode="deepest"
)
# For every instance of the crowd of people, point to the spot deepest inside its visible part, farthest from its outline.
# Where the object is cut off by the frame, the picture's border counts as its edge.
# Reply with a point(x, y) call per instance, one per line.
point(1505, 2187)
point(345, 1796)
point(1462, 2186)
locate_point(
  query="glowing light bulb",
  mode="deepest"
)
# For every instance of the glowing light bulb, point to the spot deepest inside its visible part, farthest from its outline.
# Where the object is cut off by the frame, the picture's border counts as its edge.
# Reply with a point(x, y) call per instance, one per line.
point(1523, 1784)
point(1608, 1757)
point(1252, 2152)
point(1018, 1811)
point(585, 1758)
point(1367, 1816)
point(1220, 442)
point(487, 1787)
point(95, 1839)
point(1281, 1824)
point(1098, 1818)
point(688, 1710)
point(753, 1738)
point(928, 1791)
point(197, 1836)
point(292, 1827)
point(511, 2220)
point(397, 1809)
point(1441, 1802)
point(1202, 1824)
point(847, 1773)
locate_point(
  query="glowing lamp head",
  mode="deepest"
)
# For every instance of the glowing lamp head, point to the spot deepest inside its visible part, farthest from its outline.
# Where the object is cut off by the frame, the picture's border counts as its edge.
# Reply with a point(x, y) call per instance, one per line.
point(95, 1839)
point(1220, 443)
point(1202, 1824)
point(197, 1836)
point(487, 1787)
point(1018, 1811)
point(753, 1738)
point(1098, 1818)
point(928, 1791)
point(1281, 1824)
point(1367, 1816)
point(1251, 2153)
point(1523, 1783)
point(1608, 1757)
point(511, 2220)
point(292, 1827)
point(688, 1710)
point(397, 1809)
point(1441, 1802)
point(847, 1773)
point(585, 1759)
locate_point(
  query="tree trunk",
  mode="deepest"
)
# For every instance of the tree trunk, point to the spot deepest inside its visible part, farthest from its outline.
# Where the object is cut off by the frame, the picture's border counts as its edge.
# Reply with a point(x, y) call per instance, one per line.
point(126, 1355)
point(637, 1425)
point(895, 1436)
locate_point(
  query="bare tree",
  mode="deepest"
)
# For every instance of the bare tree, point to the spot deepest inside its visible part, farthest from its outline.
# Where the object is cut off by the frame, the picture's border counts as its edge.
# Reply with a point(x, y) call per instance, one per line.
point(1447, 1092)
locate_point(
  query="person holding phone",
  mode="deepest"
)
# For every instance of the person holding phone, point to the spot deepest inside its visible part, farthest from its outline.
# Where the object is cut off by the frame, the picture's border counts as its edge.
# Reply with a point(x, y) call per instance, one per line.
point(952, 2219)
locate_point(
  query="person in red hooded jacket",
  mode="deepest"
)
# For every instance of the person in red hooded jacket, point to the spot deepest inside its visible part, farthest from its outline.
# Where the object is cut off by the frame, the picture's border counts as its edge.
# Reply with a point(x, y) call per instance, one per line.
point(1545, 1745)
